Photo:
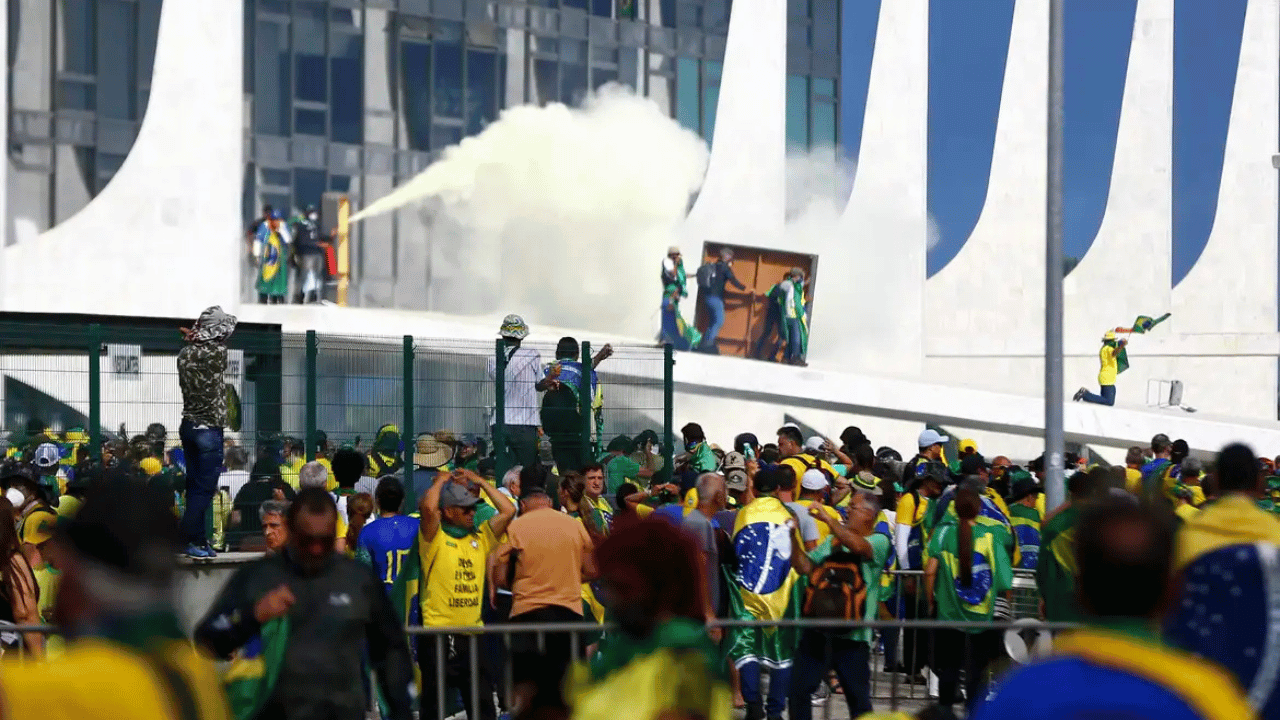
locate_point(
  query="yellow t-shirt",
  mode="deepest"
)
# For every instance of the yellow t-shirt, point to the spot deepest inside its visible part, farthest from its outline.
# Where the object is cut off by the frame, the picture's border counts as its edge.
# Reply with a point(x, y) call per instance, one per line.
point(289, 472)
point(1133, 480)
point(824, 530)
point(455, 579)
point(799, 465)
point(1186, 512)
point(86, 682)
point(644, 511)
point(1110, 368)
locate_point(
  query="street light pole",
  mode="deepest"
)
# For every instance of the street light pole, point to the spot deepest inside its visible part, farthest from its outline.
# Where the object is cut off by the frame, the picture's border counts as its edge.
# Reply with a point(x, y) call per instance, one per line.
point(1053, 266)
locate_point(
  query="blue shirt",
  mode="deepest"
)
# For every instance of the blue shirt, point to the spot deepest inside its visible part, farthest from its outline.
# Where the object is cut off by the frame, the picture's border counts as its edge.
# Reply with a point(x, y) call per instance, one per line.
point(387, 541)
point(1075, 689)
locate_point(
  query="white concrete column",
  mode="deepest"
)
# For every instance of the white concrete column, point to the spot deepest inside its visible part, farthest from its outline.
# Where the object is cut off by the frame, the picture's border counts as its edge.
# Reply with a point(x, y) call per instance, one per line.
point(170, 218)
point(1127, 270)
point(870, 320)
point(743, 196)
point(993, 290)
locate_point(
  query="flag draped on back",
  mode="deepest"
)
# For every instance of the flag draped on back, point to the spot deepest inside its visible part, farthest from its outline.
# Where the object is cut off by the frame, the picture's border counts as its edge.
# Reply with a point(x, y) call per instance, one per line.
point(406, 601)
point(762, 541)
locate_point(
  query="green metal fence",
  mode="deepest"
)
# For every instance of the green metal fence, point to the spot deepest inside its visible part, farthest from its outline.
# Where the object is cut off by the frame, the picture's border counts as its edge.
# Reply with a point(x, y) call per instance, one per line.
point(301, 394)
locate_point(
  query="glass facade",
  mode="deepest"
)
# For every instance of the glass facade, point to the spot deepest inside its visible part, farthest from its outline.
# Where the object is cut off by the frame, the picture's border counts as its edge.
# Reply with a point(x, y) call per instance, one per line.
point(79, 81)
point(358, 96)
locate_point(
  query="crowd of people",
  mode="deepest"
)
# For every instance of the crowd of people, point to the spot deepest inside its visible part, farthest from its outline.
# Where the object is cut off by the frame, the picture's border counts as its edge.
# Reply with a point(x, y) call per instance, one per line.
point(733, 577)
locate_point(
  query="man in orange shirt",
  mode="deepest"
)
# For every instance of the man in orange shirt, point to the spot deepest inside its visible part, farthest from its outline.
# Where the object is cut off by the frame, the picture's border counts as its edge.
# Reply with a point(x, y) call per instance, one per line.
point(547, 557)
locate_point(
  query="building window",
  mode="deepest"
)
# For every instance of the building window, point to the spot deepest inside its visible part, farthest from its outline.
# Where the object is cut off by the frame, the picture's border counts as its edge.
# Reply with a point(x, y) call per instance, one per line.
point(797, 112)
point(710, 96)
point(688, 99)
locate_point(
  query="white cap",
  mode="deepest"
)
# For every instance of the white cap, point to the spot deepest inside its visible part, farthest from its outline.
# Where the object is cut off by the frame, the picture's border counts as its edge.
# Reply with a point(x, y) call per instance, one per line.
point(47, 455)
point(813, 480)
point(814, 444)
point(931, 437)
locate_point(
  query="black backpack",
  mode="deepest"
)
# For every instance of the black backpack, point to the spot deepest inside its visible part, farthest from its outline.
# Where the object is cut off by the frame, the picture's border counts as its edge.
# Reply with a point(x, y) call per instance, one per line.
point(706, 275)
point(836, 589)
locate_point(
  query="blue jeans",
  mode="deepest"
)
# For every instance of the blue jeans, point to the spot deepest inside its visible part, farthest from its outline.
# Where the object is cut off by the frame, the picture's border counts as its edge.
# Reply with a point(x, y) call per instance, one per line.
point(779, 686)
point(715, 308)
point(1108, 396)
point(795, 350)
point(203, 450)
point(818, 653)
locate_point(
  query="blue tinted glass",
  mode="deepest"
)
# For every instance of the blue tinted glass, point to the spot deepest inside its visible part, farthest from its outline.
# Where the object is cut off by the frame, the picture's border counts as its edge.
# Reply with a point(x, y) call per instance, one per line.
point(448, 80)
point(117, 73)
point(798, 9)
point(545, 84)
point(826, 26)
point(340, 183)
point(482, 93)
point(824, 124)
point(415, 90)
point(75, 95)
point(798, 112)
point(579, 4)
point(797, 36)
point(308, 122)
point(602, 8)
point(825, 87)
point(688, 15)
point(78, 55)
point(667, 8)
point(442, 136)
point(573, 84)
point(601, 76)
point(688, 112)
point(310, 75)
point(271, 78)
point(308, 188)
point(347, 93)
point(710, 97)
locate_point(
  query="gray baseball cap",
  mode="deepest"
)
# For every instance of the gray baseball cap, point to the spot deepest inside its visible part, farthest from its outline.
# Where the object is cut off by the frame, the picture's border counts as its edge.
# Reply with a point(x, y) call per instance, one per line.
point(454, 495)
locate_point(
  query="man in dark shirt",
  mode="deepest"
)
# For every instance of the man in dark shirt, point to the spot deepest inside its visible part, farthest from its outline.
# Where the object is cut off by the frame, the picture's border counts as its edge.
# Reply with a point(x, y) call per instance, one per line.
point(329, 608)
point(264, 484)
point(202, 362)
point(711, 291)
point(310, 256)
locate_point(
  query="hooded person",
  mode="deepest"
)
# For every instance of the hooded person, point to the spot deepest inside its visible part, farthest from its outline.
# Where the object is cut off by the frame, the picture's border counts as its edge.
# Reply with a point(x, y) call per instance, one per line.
point(202, 363)
point(385, 457)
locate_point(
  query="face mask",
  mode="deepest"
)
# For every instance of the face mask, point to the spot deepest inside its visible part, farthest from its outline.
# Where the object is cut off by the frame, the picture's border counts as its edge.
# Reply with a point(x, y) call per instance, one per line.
point(16, 497)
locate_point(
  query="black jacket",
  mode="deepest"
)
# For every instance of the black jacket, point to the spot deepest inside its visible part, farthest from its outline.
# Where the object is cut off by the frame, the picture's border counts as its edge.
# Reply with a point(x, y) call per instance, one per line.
point(336, 612)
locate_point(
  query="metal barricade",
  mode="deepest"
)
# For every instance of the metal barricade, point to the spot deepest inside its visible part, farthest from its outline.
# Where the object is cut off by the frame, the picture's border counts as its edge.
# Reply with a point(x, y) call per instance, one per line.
point(888, 690)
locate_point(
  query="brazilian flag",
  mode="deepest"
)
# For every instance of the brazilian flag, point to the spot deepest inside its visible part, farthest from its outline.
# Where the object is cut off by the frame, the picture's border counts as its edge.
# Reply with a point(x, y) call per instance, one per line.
point(251, 675)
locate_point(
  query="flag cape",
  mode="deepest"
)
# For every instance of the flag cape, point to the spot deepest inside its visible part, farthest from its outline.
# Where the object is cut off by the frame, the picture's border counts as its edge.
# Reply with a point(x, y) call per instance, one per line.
point(798, 304)
point(406, 601)
point(251, 675)
point(764, 587)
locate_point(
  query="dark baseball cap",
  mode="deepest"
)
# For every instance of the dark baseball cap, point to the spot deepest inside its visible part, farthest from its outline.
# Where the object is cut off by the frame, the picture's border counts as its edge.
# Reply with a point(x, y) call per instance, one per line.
point(454, 495)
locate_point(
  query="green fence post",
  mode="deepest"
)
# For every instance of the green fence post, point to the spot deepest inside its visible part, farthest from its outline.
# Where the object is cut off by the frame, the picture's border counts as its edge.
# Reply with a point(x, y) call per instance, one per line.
point(407, 434)
point(584, 403)
point(95, 391)
point(500, 408)
point(313, 354)
point(668, 407)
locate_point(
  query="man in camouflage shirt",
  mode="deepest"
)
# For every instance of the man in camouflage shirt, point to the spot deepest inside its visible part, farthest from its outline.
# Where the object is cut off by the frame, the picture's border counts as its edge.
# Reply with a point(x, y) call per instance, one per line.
point(201, 366)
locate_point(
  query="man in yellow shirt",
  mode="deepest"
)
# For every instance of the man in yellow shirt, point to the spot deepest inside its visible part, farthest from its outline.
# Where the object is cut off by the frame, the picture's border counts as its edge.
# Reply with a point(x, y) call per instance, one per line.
point(454, 554)
point(1234, 518)
point(1109, 357)
point(129, 658)
point(794, 456)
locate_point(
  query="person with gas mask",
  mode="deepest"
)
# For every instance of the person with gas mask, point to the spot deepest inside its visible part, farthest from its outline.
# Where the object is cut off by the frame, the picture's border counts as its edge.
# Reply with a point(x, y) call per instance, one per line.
point(308, 255)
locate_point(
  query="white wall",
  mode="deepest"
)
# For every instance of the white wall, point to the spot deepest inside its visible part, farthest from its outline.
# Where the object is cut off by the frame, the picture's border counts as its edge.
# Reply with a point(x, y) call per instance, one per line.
point(875, 325)
point(163, 236)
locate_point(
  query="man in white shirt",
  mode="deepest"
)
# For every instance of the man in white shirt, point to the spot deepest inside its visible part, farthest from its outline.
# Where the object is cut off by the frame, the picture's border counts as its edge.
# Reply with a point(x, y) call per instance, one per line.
point(520, 392)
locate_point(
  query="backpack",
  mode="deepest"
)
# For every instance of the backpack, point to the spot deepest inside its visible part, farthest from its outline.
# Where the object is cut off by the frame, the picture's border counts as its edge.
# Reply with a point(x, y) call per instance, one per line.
point(706, 275)
point(836, 589)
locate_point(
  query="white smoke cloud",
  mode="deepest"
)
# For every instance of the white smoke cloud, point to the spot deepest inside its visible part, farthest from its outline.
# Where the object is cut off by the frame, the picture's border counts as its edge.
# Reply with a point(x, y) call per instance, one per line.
point(558, 213)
